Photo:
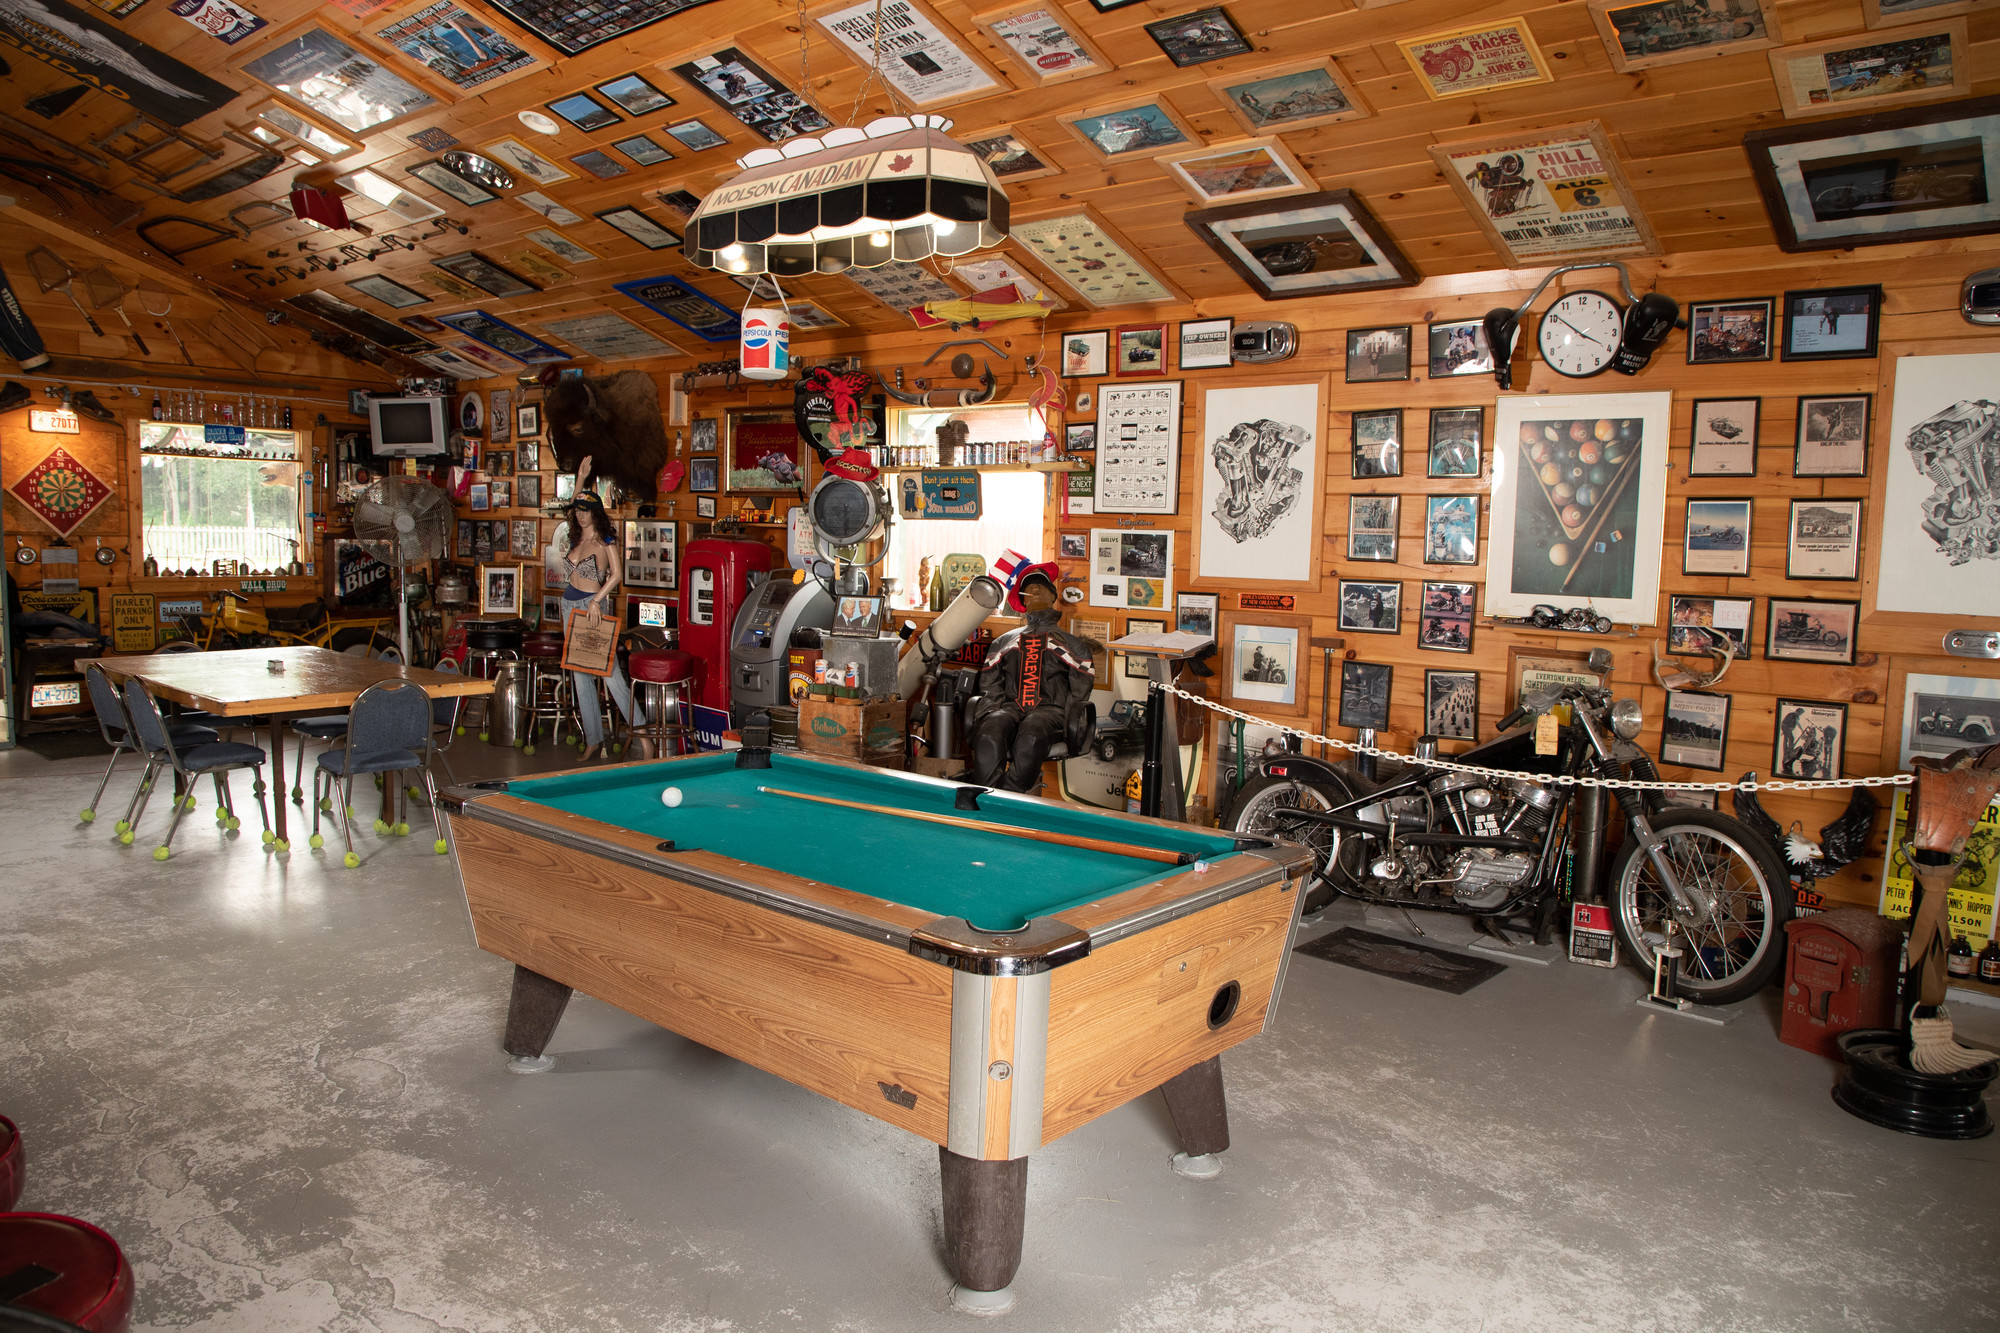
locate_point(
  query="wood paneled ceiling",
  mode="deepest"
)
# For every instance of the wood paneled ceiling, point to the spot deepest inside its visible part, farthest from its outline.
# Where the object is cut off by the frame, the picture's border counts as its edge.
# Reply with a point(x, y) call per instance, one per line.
point(1676, 128)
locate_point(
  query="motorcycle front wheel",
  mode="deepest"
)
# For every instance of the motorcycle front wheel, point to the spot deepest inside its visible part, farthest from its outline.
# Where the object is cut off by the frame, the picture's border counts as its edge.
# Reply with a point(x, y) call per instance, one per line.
point(1734, 942)
point(1259, 808)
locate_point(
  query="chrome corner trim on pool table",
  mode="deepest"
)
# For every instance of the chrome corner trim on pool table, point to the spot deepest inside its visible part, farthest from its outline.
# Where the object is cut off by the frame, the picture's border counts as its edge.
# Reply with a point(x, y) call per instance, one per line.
point(1045, 942)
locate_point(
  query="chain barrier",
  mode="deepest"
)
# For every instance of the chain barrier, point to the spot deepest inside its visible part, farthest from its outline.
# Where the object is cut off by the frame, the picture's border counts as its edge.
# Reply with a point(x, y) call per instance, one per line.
point(1558, 779)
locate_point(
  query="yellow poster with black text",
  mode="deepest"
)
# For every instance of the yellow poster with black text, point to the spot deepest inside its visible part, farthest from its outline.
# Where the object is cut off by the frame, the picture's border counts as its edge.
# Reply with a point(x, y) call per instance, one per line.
point(1972, 891)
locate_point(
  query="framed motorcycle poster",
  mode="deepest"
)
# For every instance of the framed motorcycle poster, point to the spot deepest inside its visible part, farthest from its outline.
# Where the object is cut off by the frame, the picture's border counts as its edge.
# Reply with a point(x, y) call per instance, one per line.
point(1262, 493)
point(1548, 194)
point(1579, 511)
point(1264, 661)
point(1304, 245)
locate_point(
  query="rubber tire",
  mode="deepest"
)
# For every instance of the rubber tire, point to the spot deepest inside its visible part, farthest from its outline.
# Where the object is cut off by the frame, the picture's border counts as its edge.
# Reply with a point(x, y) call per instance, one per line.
point(359, 642)
point(1350, 851)
point(1107, 751)
point(1766, 969)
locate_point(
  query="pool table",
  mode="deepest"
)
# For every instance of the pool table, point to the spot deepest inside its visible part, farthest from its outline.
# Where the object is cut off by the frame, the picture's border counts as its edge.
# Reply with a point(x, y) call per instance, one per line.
point(983, 990)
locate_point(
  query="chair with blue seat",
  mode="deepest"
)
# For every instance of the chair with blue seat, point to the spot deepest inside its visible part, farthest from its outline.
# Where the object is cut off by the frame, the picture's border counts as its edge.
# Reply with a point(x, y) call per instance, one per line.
point(328, 727)
point(388, 732)
point(116, 727)
point(217, 759)
point(444, 719)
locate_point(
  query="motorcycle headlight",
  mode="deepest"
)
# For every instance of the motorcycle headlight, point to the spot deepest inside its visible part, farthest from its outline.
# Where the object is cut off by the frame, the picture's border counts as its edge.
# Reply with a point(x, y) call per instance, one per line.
point(1627, 718)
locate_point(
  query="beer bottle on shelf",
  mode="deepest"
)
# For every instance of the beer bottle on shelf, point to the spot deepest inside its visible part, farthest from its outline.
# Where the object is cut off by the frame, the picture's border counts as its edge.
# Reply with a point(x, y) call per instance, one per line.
point(1958, 960)
point(1989, 962)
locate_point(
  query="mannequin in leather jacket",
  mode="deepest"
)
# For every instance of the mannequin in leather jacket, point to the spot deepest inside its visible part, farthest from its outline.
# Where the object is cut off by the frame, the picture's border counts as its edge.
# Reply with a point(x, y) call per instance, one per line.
point(1034, 689)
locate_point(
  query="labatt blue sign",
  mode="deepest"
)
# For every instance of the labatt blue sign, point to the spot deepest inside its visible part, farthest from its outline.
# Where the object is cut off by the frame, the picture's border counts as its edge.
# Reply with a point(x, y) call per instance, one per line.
point(939, 493)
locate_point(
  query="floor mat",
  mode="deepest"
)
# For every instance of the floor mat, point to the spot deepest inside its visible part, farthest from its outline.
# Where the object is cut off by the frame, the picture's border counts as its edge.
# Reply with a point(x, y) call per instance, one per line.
point(1386, 956)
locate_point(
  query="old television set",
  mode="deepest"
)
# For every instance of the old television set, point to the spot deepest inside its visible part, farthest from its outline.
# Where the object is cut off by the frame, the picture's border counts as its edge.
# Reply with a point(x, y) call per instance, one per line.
point(407, 427)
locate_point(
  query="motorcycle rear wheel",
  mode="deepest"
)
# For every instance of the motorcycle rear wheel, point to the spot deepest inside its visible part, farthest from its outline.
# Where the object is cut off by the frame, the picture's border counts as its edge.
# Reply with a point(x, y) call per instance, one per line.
point(1255, 811)
point(1735, 948)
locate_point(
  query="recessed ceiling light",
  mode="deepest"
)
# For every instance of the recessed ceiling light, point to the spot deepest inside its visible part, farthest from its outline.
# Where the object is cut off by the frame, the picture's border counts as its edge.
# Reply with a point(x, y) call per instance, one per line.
point(540, 123)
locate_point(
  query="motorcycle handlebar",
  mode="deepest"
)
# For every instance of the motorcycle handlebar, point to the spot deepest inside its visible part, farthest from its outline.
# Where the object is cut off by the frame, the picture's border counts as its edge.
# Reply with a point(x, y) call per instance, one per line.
point(1514, 719)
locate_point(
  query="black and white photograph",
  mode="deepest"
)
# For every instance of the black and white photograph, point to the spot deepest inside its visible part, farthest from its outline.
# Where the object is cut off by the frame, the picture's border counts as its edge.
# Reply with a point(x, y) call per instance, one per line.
point(642, 150)
point(1369, 607)
point(1456, 441)
point(704, 505)
point(1378, 443)
point(1195, 612)
point(1717, 537)
point(1824, 540)
point(1444, 621)
point(528, 420)
point(483, 273)
point(1831, 323)
point(1833, 436)
point(1451, 529)
point(634, 96)
point(600, 164)
point(695, 136)
point(639, 227)
point(1371, 526)
point(1695, 624)
point(1264, 664)
point(1011, 157)
point(1724, 438)
point(1810, 741)
point(1722, 332)
point(517, 157)
point(1205, 344)
point(1380, 354)
point(702, 435)
point(1451, 704)
point(1364, 695)
point(1459, 348)
point(1199, 37)
point(1808, 629)
point(1946, 713)
point(1695, 729)
point(753, 96)
point(1136, 667)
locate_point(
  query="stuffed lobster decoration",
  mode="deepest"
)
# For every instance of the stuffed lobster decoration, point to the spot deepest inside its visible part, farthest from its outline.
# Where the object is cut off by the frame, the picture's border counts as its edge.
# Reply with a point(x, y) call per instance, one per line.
point(827, 407)
point(615, 418)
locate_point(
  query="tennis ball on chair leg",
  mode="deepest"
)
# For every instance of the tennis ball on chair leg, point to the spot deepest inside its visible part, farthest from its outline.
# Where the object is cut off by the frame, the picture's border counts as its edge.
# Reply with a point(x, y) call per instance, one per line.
point(351, 860)
point(125, 837)
point(88, 815)
point(439, 847)
point(161, 853)
point(316, 842)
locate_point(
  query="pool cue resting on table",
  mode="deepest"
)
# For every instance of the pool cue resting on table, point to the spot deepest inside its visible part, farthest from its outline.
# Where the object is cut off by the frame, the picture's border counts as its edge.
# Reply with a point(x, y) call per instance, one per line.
point(1034, 835)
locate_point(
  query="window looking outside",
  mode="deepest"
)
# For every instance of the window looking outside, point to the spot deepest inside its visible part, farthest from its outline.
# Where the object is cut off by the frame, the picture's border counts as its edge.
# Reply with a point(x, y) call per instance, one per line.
point(203, 502)
point(1011, 501)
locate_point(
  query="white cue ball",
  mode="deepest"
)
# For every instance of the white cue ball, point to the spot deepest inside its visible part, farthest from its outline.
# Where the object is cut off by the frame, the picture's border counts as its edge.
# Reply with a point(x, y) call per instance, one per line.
point(671, 796)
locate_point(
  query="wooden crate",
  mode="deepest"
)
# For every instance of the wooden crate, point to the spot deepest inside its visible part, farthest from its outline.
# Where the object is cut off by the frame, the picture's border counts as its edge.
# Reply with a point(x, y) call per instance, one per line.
point(873, 731)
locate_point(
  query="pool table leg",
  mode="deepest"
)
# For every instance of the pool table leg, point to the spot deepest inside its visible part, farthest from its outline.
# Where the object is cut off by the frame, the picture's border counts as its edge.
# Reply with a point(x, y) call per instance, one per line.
point(533, 1011)
point(1201, 1118)
point(985, 1209)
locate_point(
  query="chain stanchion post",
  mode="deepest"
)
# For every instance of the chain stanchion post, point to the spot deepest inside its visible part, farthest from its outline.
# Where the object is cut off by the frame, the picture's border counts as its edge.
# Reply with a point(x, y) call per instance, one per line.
point(1156, 730)
point(1588, 824)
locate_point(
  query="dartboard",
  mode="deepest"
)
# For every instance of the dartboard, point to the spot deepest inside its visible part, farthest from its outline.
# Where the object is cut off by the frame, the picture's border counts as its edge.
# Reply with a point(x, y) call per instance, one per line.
point(61, 491)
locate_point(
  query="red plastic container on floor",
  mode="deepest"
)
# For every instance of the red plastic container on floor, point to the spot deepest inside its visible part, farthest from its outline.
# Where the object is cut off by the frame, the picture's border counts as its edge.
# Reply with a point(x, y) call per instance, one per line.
point(91, 1285)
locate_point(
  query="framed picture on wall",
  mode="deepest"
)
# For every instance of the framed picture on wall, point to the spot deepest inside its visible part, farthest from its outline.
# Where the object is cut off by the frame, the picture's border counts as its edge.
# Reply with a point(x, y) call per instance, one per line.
point(1265, 655)
point(1724, 437)
point(704, 505)
point(1364, 695)
point(1455, 441)
point(1371, 526)
point(1451, 704)
point(1142, 350)
point(1831, 323)
point(1639, 34)
point(1459, 348)
point(1832, 439)
point(1716, 537)
point(1692, 621)
point(1854, 73)
point(500, 590)
point(1205, 344)
point(1444, 618)
point(1824, 541)
point(1451, 529)
point(766, 454)
point(1304, 245)
point(1377, 443)
point(704, 475)
point(1086, 355)
point(1137, 667)
point(1724, 332)
point(1261, 495)
point(1810, 741)
point(1195, 612)
point(1380, 354)
point(1695, 729)
point(1280, 98)
point(1368, 606)
point(1808, 629)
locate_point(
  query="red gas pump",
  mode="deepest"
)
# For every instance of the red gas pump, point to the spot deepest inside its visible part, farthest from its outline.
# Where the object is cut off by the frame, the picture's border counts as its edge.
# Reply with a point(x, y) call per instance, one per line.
point(715, 583)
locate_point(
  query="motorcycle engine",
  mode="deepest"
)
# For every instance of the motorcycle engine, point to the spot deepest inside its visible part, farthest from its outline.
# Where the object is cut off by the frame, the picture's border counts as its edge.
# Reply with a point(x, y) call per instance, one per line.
point(1486, 876)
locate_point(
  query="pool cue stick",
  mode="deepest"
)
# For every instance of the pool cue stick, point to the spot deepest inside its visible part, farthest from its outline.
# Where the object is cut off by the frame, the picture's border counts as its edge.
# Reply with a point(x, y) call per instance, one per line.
point(1035, 835)
point(1603, 517)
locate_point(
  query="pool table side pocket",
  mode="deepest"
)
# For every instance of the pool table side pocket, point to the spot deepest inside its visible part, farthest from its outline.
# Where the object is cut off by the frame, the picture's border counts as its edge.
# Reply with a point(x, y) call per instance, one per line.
point(1143, 1008)
point(858, 1021)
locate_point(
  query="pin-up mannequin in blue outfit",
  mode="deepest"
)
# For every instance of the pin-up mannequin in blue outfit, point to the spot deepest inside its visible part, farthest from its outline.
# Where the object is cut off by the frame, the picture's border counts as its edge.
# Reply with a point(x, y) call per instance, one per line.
point(593, 569)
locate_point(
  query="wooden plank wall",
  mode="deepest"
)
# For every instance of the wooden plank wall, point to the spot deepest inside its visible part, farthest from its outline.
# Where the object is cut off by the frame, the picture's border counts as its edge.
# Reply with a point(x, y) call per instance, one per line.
point(1921, 286)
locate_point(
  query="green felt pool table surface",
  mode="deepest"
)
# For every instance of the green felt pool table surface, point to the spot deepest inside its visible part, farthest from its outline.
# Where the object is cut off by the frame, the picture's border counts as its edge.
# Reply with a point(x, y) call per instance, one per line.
point(994, 881)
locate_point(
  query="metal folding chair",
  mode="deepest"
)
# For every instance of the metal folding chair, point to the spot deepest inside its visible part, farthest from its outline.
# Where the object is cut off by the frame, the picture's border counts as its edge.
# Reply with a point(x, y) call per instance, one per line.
point(217, 759)
point(116, 728)
point(388, 732)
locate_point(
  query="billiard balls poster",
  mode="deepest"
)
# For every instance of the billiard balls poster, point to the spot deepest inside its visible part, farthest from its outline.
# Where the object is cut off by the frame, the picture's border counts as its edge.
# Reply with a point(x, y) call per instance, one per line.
point(1579, 504)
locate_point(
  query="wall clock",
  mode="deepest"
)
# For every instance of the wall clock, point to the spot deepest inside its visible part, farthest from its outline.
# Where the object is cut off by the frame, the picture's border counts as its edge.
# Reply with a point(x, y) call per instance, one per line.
point(1579, 334)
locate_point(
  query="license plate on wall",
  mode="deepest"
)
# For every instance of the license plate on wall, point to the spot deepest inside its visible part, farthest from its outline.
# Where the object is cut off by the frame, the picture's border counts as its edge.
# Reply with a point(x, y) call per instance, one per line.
point(56, 694)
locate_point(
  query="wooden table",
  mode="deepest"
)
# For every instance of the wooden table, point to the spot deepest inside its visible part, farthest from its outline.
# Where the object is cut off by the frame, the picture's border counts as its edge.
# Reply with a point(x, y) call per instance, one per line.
point(240, 683)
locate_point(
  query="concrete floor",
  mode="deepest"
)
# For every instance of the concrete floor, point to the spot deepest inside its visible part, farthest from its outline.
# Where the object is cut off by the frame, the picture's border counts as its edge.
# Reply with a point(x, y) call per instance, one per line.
point(280, 1086)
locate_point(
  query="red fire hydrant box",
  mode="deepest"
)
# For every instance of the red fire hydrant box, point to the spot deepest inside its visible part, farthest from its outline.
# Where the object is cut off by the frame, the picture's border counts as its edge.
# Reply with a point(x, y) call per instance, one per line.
point(1840, 974)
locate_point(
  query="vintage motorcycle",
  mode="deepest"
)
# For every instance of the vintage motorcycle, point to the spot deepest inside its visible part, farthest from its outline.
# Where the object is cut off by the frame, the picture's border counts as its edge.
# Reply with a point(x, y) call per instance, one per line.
point(1499, 848)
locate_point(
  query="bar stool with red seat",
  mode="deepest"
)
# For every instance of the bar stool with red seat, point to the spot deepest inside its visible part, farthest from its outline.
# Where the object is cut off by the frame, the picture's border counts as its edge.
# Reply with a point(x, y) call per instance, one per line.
point(659, 675)
point(551, 698)
point(60, 1266)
